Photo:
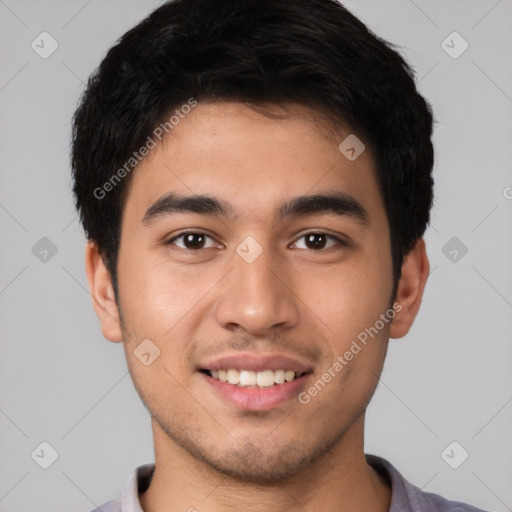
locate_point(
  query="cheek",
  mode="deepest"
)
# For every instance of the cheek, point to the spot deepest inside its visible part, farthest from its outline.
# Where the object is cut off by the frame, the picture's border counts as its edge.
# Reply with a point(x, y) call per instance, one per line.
point(151, 291)
point(161, 302)
point(348, 298)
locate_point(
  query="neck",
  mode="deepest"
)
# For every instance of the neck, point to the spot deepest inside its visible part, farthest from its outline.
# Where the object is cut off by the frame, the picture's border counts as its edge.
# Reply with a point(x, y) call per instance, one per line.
point(341, 480)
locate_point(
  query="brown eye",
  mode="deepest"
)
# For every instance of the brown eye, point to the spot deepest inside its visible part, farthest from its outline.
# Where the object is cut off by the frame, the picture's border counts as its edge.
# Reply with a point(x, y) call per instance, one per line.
point(319, 241)
point(191, 241)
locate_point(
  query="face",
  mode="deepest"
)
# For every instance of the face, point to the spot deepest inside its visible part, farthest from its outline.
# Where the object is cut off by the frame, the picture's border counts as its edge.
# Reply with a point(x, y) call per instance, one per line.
point(249, 280)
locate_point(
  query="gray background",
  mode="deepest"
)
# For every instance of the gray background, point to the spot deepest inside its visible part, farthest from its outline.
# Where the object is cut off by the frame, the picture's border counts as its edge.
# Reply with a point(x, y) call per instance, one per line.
point(449, 380)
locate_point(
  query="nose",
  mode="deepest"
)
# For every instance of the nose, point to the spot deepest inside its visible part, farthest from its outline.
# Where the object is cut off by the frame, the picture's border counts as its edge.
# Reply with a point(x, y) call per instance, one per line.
point(258, 297)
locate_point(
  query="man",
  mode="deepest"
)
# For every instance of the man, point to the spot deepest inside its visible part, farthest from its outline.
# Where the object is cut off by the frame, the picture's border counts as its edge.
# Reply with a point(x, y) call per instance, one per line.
point(254, 179)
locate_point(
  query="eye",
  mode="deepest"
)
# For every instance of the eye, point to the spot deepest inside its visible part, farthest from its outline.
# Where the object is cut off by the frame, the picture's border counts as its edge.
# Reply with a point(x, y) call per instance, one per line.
point(319, 241)
point(196, 240)
point(193, 241)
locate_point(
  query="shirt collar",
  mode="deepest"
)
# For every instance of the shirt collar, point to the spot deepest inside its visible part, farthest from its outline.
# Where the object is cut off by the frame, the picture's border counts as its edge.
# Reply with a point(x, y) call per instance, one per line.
point(139, 481)
point(140, 478)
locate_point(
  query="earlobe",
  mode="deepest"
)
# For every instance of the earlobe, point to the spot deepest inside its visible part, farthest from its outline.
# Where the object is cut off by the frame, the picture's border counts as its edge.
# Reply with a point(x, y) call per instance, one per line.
point(415, 271)
point(102, 293)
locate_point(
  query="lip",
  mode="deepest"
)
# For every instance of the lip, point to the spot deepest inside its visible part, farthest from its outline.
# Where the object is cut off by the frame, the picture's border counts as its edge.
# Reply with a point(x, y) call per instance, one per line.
point(257, 399)
point(256, 363)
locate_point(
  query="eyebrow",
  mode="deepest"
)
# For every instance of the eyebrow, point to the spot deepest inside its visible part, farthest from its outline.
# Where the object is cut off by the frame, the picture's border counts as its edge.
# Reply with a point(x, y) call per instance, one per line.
point(338, 203)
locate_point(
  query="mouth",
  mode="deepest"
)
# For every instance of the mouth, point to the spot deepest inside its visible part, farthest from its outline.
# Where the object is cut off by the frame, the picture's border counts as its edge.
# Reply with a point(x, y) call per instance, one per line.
point(254, 382)
point(251, 379)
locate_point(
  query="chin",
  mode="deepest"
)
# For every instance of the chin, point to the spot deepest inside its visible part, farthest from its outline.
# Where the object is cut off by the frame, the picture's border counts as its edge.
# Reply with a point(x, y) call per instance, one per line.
point(263, 464)
point(250, 465)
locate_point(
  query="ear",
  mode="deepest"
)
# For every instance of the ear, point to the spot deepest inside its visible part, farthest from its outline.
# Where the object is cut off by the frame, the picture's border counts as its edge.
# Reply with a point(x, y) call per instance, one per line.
point(102, 293)
point(415, 271)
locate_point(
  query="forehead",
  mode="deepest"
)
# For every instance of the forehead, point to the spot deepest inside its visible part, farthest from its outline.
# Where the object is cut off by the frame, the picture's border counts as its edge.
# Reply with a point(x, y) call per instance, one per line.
point(253, 160)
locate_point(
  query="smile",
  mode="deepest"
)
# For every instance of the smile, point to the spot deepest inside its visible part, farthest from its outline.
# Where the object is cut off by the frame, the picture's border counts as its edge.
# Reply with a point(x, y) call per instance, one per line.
point(253, 379)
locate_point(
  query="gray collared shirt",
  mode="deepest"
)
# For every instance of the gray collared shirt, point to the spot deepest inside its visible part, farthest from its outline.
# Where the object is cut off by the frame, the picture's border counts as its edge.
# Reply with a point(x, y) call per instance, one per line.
point(405, 497)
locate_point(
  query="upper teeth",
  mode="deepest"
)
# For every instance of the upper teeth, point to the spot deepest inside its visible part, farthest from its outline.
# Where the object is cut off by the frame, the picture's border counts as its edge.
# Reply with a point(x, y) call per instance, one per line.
point(264, 378)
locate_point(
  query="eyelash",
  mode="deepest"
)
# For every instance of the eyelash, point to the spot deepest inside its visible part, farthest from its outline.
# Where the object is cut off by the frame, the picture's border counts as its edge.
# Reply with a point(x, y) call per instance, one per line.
point(338, 240)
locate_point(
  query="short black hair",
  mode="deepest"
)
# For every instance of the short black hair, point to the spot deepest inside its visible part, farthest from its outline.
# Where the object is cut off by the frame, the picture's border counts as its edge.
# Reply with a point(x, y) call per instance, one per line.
point(311, 52)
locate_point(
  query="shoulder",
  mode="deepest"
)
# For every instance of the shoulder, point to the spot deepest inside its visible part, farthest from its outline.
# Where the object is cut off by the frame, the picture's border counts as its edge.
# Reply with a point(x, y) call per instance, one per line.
point(406, 496)
point(427, 501)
